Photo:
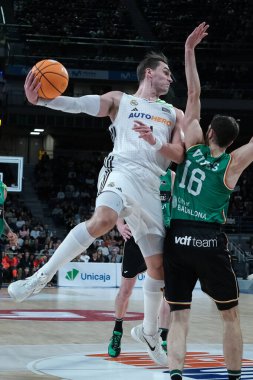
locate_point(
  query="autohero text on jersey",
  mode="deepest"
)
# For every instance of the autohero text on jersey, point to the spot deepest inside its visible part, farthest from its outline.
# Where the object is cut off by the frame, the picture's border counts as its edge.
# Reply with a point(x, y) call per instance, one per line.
point(147, 116)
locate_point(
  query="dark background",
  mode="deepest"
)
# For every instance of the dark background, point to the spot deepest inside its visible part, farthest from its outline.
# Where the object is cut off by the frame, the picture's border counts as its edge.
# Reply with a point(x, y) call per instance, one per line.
point(112, 37)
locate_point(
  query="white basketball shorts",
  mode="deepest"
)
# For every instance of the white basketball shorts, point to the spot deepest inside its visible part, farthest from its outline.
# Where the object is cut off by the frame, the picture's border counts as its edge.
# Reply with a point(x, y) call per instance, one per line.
point(142, 209)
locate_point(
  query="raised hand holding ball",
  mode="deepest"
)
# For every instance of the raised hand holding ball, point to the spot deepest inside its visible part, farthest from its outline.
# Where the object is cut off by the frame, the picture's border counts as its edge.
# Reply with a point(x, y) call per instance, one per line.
point(52, 77)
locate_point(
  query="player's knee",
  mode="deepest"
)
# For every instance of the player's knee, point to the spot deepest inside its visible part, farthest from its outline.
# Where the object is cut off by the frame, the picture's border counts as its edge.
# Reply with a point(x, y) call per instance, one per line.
point(125, 292)
point(155, 263)
point(126, 287)
point(102, 220)
point(230, 315)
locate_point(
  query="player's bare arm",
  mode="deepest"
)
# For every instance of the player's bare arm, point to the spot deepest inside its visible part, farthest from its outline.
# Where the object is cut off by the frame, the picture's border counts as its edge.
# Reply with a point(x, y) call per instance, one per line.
point(193, 83)
point(194, 134)
point(109, 104)
point(174, 150)
point(241, 159)
point(191, 127)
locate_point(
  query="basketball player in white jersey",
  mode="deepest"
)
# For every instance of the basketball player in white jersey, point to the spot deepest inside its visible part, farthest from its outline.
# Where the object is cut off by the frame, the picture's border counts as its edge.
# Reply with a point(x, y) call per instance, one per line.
point(128, 185)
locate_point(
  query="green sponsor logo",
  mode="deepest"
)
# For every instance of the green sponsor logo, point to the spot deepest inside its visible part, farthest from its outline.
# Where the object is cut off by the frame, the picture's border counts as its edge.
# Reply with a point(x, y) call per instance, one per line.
point(71, 275)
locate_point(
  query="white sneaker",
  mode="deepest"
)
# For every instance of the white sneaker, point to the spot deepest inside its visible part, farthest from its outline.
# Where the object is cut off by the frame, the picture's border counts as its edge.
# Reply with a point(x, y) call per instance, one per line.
point(22, 289)
point(153, 344)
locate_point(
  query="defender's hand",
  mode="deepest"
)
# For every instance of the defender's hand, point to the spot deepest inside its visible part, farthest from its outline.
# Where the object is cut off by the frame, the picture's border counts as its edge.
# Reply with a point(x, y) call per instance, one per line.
point(196, 36)
point(124, 230)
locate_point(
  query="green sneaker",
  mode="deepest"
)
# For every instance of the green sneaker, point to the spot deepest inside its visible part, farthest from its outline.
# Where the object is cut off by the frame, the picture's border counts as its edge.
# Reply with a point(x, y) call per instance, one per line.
point(164, 346)
point(114, 347)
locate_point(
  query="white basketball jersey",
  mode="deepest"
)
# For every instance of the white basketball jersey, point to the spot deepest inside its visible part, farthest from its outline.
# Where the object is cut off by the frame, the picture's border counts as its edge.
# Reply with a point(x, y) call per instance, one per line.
point(128, 147)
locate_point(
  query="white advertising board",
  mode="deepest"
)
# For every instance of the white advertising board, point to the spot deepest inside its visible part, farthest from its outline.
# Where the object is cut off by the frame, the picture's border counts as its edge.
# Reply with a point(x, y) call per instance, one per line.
point(90, 275)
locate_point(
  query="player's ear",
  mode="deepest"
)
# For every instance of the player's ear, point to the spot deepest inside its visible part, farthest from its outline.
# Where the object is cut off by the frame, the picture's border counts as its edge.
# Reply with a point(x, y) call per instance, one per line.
point(149, 73)
point(210, 132)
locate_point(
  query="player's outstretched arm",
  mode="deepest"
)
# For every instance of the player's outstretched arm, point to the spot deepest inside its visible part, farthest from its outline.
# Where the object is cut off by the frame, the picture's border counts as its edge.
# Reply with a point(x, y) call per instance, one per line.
point(95, 105)
point(241, 159)
point(193, 83)
point(191, 127)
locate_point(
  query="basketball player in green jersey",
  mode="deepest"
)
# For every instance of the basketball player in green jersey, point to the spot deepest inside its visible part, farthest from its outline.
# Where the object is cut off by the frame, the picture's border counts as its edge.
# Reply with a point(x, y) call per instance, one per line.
point(133, 264)
point(4, 228)
point(195, 246)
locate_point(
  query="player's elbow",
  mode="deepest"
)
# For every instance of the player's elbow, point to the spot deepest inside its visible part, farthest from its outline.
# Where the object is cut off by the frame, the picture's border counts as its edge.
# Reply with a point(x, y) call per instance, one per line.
point(179, 156)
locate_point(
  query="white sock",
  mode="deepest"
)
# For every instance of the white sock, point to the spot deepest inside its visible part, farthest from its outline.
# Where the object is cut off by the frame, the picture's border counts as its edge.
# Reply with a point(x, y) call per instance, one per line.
point(152, 301)
point(77, 241)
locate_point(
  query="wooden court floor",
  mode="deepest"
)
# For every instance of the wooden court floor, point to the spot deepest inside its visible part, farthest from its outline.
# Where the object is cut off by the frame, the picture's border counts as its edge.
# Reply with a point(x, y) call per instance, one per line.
point(63, 333)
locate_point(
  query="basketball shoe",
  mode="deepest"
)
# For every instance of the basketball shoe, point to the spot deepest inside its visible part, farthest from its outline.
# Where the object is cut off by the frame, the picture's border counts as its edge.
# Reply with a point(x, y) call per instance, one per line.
point(22, 289)
point(153, 344)
point(114, 347)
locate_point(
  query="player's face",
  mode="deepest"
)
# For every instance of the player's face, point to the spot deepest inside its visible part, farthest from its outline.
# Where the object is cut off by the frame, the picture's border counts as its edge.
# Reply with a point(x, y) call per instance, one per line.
point(161, 78)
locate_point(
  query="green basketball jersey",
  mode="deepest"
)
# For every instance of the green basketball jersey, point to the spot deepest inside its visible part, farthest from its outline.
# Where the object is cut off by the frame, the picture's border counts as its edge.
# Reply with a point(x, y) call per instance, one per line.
point(199, 191)
point(165, 194)
point(2, 189)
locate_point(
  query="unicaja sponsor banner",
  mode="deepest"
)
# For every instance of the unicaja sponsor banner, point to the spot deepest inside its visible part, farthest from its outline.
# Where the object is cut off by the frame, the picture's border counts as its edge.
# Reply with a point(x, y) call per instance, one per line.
point(90, 275)
point(139, 280)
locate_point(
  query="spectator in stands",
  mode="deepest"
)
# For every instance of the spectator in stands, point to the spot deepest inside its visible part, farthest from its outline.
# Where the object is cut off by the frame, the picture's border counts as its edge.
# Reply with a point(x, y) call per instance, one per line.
point(45, 250)
point(28, 244)
point(24, 232)
point(114, 256)
point(25, 265)
point(43, 260)
point(57, 213)
point(60, 195)
point(104, 259)
point(52, 247)
point(34, 245)
point(97, 242)
point(20, 222)
point(6, 267)
point(85, 257)
point(20, 241)
point(104, 249)
point(35, 232)
point(14, 260)
point(96, 257)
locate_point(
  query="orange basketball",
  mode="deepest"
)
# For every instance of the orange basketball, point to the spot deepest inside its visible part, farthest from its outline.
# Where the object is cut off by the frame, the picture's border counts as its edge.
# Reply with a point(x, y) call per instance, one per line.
point(53, 77)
